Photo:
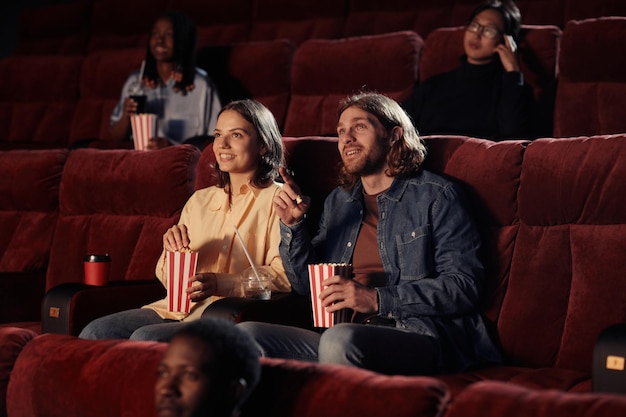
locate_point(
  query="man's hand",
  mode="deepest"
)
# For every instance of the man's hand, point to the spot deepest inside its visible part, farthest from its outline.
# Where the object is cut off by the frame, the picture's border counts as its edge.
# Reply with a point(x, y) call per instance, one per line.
point(290, 205)
point(346, 293)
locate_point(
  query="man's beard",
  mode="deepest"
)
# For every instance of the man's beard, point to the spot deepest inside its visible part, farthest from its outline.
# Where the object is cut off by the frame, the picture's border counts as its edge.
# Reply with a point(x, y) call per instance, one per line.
point(373, 163)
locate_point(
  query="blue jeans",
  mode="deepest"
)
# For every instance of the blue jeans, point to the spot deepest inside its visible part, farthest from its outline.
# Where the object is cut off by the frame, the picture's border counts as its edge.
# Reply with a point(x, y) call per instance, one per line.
point(137, 324)
point(387, 350)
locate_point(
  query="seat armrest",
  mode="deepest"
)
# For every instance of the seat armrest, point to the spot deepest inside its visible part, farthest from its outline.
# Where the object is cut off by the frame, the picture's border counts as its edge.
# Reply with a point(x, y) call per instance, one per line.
point(68, 308)
point(283, 308)
point(21, 294)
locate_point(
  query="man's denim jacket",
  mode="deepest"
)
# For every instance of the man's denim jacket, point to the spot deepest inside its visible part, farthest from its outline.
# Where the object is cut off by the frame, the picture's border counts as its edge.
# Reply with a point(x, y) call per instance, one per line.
point(429, 247)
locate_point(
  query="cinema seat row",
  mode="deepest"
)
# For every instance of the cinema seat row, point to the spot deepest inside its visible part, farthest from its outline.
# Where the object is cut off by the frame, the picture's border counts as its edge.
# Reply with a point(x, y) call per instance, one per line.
point(550, 212)
point(90, 25)
point(575, 75)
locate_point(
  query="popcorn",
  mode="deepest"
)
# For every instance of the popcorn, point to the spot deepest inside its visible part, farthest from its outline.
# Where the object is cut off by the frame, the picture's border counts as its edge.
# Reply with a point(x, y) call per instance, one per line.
point(144, 128)
point(180, 267)
point(317, 274)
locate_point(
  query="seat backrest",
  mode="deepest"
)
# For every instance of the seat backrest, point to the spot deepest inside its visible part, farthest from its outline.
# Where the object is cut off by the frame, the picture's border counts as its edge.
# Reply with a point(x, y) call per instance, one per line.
point(101, 79)
point(582, 9)
point(373, 17)
point(567, 270)
point(591, 94)
point(516, 399)
point(38, 96)
point(236, 72)
point(218, 22)
point(39, 31)
point(121, 23)
point(119, 202)
point(544, 12)
point(492, 201)
point(326, 71)
point(29, 206)
point(314, 162)
point(538, 55)
point(297, 20)
point(117, 377)
point(553, 229)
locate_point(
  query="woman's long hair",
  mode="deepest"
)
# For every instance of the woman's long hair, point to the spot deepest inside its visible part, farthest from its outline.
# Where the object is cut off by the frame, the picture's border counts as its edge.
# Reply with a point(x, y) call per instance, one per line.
point(185, 40)
point(268, 134)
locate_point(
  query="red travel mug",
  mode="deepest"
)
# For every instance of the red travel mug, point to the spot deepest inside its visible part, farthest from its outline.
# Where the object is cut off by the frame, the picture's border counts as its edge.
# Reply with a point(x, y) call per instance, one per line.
point(97, 269)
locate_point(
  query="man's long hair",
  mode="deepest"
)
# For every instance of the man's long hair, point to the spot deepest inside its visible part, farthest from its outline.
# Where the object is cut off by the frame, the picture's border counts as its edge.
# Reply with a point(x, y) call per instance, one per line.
point(406, 154)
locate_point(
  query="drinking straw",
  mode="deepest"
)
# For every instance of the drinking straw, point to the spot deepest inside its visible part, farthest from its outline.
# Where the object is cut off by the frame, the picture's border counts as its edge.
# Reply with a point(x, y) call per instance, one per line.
point(143, 65)
point(256, 273)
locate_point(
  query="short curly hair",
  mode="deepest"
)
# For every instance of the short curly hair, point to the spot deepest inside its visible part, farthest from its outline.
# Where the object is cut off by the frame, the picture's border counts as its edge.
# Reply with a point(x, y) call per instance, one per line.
point(234, 352)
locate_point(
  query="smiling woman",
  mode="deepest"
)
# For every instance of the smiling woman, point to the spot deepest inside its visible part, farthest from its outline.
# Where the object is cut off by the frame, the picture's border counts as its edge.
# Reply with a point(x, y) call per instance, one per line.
point(169, 85)
point(486, 96)
point(249, 151)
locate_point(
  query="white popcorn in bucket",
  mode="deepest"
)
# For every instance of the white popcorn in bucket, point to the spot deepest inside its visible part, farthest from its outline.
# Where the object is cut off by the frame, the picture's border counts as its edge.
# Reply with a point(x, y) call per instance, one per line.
point(144, 128)
point(317, 274)
point(180, 267)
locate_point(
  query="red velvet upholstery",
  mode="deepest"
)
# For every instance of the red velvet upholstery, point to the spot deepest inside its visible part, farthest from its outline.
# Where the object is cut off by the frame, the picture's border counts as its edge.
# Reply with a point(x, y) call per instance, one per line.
point(120, 202)
point(315, 165)
point(297, 20)
point(63, 376)
point(66, 376)
point(218, 22)
point(514, 401)
point(538, 52)
point(546, 224)
point(372, 17)
point(38, 95)
point(493, 199)
point(544, 12)
point(122, 24)
point(592, 87)
point(39, 31)
point(12, 341)
point(583, 9)
point(565, 258)
point(101, 79)
point(236, 72)
point(292, 388)
point(29, 207)
point(326, 71)
point(551, 216)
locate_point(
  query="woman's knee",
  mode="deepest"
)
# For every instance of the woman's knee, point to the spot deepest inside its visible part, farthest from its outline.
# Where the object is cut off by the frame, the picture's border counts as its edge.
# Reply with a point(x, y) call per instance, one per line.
point(99, 328)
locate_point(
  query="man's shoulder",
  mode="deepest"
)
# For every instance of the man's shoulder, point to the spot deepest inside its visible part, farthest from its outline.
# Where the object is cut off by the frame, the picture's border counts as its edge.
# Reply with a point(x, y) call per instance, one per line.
point(425, 176)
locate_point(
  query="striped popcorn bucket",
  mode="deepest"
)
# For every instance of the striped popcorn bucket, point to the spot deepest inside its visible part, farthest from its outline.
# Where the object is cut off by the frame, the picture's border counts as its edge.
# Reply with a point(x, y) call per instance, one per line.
point(317, 274)
point(180, 266)
point(144, 128)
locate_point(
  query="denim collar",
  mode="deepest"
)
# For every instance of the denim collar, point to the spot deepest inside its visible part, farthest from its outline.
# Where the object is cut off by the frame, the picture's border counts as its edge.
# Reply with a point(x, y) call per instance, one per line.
point(393, 193)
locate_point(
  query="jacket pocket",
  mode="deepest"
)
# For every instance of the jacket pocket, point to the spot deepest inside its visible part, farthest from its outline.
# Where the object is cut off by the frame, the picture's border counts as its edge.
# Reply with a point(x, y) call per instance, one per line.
point(415, 253)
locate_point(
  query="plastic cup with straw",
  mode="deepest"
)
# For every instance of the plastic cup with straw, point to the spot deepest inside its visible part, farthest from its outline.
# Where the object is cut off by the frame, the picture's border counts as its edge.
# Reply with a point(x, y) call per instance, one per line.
point(258, 284)
point(137, 92)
